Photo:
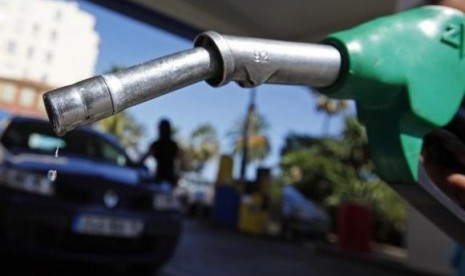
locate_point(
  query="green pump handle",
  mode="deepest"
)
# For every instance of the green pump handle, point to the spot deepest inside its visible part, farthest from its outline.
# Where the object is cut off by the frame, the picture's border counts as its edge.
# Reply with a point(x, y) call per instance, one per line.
point(406, 73)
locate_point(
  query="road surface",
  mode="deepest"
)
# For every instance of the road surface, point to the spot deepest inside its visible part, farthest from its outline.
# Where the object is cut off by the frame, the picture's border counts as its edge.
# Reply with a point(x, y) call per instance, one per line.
point(205, 250)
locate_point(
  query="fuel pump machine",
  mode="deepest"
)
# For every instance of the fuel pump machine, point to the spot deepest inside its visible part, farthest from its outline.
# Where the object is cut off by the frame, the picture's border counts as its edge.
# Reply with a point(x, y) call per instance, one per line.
point(406, 73)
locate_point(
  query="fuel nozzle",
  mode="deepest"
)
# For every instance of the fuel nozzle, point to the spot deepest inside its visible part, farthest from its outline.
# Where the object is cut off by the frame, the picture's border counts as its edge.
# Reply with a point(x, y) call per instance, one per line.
point(406, 73)
point(216, 58)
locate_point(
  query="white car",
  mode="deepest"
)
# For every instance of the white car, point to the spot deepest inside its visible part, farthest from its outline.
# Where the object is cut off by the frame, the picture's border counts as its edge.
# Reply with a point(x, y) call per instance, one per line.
point(196, 193)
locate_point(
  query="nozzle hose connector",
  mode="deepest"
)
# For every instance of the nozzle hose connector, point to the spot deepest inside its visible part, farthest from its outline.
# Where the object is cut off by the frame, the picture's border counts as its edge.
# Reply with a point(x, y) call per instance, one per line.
point(252, 61)
point(217, 59)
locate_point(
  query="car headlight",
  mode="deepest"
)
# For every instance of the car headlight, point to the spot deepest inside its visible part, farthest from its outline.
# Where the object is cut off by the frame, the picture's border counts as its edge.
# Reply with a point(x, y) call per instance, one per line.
point(28, 182)
point(165, 202)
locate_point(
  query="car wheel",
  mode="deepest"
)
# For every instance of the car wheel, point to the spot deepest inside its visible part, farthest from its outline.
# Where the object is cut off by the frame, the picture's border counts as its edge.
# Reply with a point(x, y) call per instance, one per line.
point(192, 210)
point(288, 233)
point(136, 269)
point(206, 211)
point(184, 203)
point(146, 269)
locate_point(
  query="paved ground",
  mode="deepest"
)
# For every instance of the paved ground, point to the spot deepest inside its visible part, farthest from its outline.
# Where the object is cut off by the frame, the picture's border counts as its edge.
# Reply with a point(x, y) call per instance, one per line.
point(205, 250)
point(208, 251)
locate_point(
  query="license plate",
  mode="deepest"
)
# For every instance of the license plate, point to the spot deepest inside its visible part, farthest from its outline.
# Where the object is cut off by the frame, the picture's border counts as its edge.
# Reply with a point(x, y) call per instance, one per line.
point(108, 226)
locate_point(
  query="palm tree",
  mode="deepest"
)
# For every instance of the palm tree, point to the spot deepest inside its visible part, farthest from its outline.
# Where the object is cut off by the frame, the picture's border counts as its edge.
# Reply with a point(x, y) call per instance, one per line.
point(124, 127)
point(202, 147)
point(249, 137)
point(330, 107)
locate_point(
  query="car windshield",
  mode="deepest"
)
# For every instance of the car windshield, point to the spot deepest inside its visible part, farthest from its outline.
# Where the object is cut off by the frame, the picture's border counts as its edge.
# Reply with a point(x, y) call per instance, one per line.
point(3, 114)
point(38, 137)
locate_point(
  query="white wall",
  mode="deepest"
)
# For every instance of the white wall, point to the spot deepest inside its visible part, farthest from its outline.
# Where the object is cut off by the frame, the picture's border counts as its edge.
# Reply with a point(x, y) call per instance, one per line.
point(47, 41)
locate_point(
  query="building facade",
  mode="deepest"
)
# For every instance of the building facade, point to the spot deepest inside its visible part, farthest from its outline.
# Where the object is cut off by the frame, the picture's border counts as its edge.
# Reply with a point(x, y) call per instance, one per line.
point(44, 44)
point(22, 96)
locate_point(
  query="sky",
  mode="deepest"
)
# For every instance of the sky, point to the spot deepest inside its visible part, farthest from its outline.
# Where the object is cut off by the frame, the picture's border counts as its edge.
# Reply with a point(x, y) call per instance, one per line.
point(288, 109)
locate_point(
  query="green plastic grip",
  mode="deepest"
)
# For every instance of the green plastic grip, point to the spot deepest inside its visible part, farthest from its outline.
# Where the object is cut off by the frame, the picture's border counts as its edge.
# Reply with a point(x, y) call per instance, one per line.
point(406, 73)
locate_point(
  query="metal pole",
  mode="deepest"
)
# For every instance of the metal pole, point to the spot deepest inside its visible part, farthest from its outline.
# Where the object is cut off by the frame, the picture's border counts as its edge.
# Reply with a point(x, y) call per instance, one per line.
point(249, 122)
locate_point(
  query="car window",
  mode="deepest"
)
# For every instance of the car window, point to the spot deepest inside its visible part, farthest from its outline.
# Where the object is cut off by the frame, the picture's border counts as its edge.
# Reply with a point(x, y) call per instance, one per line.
point(43, 142)
point(39, 137)
point(112, 154)
point(4, 114)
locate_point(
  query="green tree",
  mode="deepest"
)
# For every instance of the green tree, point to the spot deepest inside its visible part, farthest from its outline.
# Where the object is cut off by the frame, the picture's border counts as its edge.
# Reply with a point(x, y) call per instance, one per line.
point(203, 145)
point(332, 171)
point(330, 107)
point(124, 127)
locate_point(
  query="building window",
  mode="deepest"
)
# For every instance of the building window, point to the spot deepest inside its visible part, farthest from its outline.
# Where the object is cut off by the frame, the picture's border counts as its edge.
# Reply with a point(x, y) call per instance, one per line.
point(11, 47)
point(27, 98)
point(35, 29)
point(30, 52)
point(48, 57)
point(53, 35)
point(58, 15)
point(7, 92)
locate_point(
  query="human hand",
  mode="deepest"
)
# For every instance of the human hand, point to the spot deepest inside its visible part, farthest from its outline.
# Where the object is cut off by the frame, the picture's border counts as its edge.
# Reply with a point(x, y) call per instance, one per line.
point(443, 157)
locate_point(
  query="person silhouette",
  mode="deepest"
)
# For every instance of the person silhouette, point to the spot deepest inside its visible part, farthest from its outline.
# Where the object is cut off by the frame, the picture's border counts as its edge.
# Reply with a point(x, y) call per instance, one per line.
point(166, 153)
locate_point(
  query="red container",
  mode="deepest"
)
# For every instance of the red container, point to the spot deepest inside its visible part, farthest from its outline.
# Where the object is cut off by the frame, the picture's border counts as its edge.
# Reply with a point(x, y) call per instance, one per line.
point(355, 227)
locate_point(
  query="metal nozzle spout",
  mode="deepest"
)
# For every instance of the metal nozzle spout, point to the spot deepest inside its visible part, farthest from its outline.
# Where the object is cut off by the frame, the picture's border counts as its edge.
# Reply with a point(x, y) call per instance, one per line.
point(78, 104)
point(99, 97)
point(217, 59)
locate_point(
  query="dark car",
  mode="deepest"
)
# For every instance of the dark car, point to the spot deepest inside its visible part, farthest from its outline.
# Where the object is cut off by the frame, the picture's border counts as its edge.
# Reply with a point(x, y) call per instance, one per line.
point(301, 217)
point(80, 198)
